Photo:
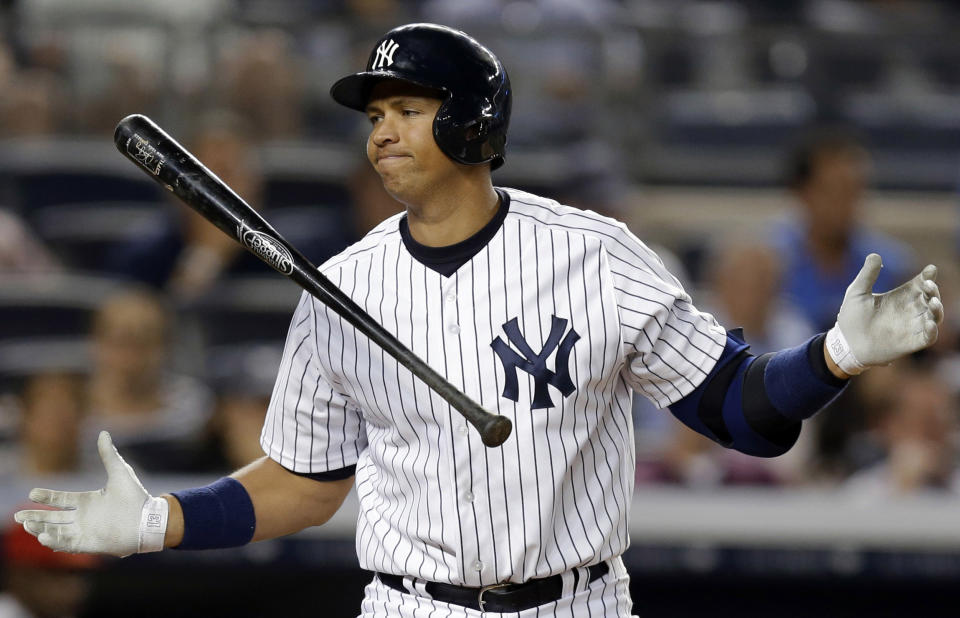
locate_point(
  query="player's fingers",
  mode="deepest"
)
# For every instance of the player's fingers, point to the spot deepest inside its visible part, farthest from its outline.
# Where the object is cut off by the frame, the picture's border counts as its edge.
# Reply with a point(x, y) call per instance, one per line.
point(58, 539)
point(930, 332)
point(116, 467)
point(929, 272)
point(936, 309)
point(863, 283)
point(50, 497)
point(34, 527)
point(47, 517)
point(930, 289)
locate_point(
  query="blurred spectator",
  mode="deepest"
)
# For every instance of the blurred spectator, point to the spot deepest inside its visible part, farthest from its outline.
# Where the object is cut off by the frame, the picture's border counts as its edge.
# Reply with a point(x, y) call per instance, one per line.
point(152, 413)
point(743, 284)
point(262, 82)
point(48, 441)
point(20, 250)
point(39, 582)
point(31, 104)
point(918, 432)
point(823, 250)
point(694, 461)
point(6, 64)
point(187, 255)
point(244, 380)
point(127, 85)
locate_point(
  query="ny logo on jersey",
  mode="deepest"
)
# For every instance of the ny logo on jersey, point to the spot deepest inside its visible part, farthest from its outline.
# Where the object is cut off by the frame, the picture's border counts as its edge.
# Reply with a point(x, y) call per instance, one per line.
point(536, 364)
point(384, 54)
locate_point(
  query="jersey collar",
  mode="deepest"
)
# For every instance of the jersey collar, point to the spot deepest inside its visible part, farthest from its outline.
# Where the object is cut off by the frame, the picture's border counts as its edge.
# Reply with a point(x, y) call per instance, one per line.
point(447, 260)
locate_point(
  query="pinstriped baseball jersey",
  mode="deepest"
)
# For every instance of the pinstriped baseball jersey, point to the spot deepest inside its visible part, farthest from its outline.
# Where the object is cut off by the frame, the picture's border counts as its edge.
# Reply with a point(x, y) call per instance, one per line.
point(552, 323)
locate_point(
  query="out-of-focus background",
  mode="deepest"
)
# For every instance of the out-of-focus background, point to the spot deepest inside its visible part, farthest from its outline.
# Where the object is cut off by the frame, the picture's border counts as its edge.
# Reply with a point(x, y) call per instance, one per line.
point(761, 147)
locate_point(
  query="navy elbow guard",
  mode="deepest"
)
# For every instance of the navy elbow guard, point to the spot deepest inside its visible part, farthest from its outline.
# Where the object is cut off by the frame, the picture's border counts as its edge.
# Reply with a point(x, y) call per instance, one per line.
point(756, 405)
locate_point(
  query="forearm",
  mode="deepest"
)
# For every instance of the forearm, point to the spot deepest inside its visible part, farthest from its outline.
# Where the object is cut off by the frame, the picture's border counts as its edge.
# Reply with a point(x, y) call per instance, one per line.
point(283, 502)
point(756, 405)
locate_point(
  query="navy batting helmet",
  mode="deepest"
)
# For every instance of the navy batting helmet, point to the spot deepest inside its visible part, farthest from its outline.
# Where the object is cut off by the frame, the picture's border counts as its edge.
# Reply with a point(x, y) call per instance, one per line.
point(471, 124)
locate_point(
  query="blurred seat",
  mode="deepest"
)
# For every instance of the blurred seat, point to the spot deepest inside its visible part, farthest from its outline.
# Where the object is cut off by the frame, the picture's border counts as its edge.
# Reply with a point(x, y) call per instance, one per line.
point(915, 139)
point(45, 320)
point(35, 173)
point(726, 137)
point(302, 173)
point(249, 310)
point(83, 235)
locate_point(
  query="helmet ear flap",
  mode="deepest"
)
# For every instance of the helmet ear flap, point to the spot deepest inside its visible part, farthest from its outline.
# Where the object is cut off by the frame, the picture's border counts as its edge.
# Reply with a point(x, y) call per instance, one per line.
point(476, 130)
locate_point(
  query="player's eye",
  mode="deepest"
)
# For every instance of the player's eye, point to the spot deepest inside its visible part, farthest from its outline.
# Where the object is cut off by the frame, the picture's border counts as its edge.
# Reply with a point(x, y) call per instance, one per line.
point(374, 118)
point(411, 112)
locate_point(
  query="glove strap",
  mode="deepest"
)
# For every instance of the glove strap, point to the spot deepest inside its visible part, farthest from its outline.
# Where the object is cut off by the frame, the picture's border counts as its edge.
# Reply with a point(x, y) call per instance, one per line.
point(839, 350)
point(153, 524)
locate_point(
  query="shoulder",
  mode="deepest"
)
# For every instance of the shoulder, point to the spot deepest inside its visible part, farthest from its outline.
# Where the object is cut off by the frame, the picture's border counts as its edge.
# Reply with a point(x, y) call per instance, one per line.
point(547, 213)
point(610, 234)
point(386, 233)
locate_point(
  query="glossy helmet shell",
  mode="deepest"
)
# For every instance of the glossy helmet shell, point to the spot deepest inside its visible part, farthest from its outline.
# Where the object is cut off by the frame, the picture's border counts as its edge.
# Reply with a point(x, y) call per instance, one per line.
point(471, 124)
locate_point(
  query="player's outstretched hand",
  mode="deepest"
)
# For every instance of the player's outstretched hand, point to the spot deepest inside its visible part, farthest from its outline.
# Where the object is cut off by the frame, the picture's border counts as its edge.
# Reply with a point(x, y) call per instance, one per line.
point(120, 519)
point(876, 329)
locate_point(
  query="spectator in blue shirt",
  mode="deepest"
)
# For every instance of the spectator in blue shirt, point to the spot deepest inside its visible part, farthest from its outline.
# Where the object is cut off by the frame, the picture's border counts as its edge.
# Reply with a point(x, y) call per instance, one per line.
point(823, 248)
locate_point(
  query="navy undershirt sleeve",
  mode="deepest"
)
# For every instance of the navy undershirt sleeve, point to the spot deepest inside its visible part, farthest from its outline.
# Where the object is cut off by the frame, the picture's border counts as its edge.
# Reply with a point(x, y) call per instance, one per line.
point(756, 404)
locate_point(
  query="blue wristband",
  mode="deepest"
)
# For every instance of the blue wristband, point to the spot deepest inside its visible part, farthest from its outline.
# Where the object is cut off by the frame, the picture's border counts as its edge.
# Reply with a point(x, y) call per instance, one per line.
point(216, 516)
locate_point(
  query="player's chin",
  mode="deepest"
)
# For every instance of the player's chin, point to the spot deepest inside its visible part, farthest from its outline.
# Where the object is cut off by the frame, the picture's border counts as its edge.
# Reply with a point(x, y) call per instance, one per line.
point(393, 185)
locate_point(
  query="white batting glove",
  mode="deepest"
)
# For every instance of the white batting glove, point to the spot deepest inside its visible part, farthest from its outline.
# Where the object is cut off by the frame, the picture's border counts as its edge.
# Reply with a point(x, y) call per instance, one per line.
point(120, 519)
point(876, 329)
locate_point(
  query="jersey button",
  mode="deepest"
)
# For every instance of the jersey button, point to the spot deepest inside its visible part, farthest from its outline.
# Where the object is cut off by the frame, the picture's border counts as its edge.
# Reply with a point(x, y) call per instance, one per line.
point(451, 298)
point(464, 430)
point(477, 565)
point(469, 497)
point(453, 328)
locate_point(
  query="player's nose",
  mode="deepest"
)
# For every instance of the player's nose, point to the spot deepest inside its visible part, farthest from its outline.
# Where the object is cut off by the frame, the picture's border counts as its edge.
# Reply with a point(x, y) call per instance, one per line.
point(384, 132)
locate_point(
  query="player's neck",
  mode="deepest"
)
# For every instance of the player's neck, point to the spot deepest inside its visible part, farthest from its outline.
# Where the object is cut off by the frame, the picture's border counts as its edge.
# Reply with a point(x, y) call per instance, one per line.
point(451, 217)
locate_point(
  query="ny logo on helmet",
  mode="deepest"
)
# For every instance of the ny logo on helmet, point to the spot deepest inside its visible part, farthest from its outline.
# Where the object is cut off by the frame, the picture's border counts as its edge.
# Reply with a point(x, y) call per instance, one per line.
point(385, 54)
point(536, 364)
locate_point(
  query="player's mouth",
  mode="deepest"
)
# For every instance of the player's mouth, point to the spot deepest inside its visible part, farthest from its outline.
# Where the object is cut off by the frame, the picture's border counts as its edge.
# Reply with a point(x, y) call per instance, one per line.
point(389, 157)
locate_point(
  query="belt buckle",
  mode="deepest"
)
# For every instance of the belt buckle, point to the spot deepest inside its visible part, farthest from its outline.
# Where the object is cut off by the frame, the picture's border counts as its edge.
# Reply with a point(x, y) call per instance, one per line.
point(480, 594)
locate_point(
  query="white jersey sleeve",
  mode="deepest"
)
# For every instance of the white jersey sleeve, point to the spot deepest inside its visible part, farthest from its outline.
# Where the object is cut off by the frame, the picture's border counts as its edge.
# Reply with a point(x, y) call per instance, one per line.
point(311, 427)
point(671, 346)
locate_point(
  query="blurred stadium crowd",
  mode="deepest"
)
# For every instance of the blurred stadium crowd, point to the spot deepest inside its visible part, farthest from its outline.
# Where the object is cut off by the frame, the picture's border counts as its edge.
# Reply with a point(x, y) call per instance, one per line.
point(122, 310)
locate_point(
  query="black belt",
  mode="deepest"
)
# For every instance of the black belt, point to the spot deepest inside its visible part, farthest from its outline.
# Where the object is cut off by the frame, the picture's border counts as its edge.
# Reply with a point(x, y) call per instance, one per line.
point(499, 597)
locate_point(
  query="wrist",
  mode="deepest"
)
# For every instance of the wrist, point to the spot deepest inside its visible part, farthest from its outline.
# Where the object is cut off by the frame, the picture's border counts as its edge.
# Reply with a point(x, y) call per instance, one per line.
point(153, 525)
point(832, 366)
point(174, 534)
point(840, 358)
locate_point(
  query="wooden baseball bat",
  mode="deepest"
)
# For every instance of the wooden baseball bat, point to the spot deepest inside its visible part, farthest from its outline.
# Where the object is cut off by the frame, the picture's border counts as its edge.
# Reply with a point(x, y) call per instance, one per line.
point(170, 164)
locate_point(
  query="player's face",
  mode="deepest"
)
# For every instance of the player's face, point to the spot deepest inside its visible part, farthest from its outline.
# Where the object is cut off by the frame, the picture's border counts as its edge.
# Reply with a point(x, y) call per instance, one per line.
point(401, 146)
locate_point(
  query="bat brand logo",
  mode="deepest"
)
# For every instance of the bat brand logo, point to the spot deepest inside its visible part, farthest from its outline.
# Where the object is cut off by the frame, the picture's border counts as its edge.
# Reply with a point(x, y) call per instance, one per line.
point(268, 249)
point(536, 364)
point(145, 154)
point(385, 54)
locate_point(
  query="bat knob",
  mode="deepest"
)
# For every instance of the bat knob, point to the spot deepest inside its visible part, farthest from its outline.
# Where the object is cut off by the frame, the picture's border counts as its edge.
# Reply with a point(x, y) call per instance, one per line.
point(496, 431)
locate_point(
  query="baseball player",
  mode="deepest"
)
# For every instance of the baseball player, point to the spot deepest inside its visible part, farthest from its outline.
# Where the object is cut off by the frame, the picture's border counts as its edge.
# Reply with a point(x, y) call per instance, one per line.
point(547, 314)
